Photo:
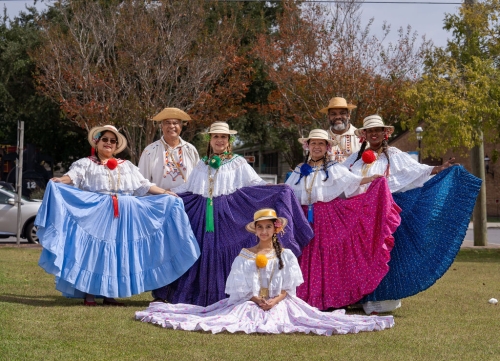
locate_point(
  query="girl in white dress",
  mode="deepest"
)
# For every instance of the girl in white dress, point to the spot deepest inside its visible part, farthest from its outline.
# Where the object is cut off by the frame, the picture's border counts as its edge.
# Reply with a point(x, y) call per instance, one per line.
point(261, 288)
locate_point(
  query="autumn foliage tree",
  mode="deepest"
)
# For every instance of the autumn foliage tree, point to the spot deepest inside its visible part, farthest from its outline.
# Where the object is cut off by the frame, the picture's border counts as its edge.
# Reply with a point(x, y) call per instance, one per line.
point(318, 52)
point(121, 62)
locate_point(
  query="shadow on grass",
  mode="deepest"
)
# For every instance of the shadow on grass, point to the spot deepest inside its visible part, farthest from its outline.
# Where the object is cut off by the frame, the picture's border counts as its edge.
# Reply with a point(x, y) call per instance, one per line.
point(55, 301)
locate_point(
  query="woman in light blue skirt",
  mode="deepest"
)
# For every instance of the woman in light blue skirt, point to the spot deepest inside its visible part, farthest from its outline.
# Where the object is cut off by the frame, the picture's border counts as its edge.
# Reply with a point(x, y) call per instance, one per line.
point(100, 239)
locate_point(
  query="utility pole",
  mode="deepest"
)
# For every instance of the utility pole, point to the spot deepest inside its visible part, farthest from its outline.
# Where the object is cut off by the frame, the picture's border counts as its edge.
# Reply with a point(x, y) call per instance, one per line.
point(477, 161)
point(479, 215)
point(20, 146)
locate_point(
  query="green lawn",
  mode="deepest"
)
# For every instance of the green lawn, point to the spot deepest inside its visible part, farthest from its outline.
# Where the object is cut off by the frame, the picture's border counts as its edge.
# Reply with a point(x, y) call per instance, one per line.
point(451, 321)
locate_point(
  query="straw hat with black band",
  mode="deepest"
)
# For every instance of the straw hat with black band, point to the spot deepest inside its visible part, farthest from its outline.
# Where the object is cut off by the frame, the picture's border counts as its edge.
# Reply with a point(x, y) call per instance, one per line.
point(96, 132)
point(373, 121)
point(338, 103)
point(318, 134)
point(220, 128)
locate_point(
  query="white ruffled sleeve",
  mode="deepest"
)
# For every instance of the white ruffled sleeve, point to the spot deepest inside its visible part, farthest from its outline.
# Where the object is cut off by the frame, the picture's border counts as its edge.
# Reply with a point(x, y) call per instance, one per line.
point(138, 183)
point(405, 172)
point(78, 170)
point(288, 278)
point(240, 284)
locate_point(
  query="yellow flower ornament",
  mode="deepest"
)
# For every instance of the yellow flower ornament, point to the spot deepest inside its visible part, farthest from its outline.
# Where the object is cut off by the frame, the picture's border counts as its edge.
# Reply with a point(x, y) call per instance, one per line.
point(261, 261)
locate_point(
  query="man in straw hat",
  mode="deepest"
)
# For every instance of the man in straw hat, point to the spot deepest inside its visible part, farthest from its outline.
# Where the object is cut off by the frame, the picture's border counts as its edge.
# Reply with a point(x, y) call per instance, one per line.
point(341, 130)
point(168, 162)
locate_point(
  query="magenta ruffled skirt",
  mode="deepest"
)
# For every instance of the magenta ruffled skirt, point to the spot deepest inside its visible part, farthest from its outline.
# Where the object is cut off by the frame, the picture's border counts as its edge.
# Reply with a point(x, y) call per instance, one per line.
point(349, 254)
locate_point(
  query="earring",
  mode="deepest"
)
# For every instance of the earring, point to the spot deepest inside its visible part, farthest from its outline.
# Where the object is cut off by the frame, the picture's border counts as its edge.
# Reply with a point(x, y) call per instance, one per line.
point(386, 136)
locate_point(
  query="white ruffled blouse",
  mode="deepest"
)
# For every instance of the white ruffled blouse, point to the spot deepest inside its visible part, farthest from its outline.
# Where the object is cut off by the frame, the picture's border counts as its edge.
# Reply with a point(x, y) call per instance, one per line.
point(89, 175)
point(233, 174)
point(339, 181)
point(405, 173)
point(244, 282)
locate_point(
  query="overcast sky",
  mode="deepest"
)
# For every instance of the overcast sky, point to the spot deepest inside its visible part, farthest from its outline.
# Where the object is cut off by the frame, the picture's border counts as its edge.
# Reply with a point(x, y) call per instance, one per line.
point(424, 18)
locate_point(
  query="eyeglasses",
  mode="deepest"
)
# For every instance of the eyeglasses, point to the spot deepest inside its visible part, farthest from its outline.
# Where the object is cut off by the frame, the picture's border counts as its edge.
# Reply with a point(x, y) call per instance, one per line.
point(106, 140)
point(168, 124)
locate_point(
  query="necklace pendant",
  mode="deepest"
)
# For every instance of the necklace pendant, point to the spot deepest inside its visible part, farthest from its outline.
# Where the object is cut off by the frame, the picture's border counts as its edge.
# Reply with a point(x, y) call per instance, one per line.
point(264, 292)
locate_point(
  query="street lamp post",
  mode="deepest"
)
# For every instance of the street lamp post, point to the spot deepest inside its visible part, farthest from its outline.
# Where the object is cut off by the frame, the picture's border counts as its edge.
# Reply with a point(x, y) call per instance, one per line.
point(419, 131)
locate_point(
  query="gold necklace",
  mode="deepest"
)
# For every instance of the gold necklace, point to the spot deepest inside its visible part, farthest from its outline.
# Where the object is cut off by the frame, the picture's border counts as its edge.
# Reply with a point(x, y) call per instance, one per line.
point(366, 167)
point(211, 183)
point(111, 180)
point(309, 189)
point(264, 291)
point(114, 188)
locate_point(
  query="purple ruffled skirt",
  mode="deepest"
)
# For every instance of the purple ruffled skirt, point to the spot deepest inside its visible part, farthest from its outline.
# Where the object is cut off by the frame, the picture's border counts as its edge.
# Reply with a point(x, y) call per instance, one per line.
point(204, 283)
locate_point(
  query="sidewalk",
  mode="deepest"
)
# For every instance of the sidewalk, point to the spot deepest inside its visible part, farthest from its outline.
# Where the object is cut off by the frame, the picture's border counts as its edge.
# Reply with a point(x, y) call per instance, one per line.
point(470, 243)
point(488, 225)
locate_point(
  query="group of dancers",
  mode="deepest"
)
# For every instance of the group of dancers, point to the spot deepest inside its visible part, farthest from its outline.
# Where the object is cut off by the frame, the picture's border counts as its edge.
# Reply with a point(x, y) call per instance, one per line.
point(355, 223)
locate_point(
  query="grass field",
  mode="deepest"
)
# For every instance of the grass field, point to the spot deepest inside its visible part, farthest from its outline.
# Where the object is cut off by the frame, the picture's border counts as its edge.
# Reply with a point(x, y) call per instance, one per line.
point(450, 321)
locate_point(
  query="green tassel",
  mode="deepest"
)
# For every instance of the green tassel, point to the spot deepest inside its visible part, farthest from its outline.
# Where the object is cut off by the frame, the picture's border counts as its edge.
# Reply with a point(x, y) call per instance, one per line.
point(209, 216)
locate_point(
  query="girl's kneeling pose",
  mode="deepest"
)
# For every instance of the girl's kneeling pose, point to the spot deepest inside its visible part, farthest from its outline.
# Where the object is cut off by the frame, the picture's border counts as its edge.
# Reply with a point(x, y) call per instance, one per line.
point(261, 288)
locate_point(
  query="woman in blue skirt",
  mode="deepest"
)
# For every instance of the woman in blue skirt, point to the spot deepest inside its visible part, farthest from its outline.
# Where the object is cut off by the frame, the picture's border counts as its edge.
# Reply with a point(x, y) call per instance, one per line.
point(99, 239)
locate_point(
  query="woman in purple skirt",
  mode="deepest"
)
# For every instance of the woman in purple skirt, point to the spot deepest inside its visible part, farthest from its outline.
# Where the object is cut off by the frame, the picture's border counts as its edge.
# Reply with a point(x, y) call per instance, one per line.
point(224, 189)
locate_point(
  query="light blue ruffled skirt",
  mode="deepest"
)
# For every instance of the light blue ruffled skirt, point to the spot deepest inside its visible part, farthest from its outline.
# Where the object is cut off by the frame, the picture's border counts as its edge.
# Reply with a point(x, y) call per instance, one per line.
point(148, 246)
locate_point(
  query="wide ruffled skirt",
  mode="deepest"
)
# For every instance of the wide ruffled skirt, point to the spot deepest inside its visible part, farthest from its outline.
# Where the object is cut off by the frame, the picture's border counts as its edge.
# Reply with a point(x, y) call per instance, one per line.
point(434, 220)
point(350, 251)
point(90, 251)
point(288, 316)
point(205, 282)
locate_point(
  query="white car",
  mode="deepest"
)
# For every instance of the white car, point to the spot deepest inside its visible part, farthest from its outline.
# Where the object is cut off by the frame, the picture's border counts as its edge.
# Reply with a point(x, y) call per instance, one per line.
point(8, 216)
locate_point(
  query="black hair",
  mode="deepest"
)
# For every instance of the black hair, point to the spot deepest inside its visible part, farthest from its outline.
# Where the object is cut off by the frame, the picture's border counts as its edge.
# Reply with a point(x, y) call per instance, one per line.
point(278, 249)
point(324, 159)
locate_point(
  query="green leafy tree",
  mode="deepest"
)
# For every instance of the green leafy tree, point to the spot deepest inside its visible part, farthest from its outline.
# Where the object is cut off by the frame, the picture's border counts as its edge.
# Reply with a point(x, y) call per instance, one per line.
point(458, 97)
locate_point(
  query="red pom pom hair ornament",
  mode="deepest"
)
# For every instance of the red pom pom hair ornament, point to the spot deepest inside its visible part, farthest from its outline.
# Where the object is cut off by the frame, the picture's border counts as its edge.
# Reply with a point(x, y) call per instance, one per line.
point(369, 156)
point(111, 163)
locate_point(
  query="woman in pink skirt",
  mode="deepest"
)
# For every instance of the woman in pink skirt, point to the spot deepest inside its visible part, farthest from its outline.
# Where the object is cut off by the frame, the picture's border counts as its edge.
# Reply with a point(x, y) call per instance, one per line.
point(348, 256)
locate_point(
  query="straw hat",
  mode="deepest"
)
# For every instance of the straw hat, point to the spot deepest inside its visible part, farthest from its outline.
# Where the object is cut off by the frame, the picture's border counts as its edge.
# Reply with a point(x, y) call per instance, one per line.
point(318, 134)
point(262, 214)
point(171, 113)
point(96, 132)
point(337, 103)
point(374, 121)
point(220, 128)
